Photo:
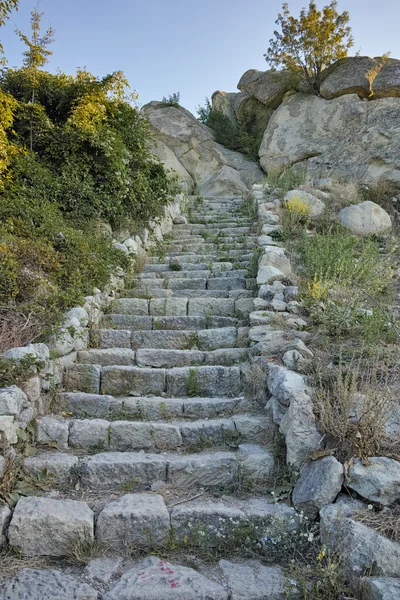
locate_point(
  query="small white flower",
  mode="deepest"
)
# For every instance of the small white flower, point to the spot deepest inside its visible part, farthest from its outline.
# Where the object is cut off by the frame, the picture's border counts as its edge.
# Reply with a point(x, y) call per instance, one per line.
point(370, 507)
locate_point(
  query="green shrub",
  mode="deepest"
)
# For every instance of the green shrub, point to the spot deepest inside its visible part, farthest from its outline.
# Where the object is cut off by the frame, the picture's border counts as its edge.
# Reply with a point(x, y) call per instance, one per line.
point(173, 99)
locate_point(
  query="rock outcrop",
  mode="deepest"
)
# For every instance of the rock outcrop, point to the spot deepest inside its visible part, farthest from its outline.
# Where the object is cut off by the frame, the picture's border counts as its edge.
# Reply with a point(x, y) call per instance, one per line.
point(188, 147)
point(351, 130)
point(345, 137)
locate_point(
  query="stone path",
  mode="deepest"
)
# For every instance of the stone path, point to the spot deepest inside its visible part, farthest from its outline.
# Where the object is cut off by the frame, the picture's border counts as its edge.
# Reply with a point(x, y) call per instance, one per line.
point(153, 435)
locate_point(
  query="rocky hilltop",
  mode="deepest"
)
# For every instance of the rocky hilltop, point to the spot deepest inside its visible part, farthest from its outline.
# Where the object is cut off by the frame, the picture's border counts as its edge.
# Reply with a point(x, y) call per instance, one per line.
point(352, 130)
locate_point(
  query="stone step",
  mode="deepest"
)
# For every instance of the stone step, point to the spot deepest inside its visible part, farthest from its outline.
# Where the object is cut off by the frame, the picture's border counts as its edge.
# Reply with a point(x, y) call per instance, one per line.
point(121, 435)
point(200, 339)
point(223, 246)
point(146, 357)
point(187, 266)
point(182, 381)
point(139, 470)
point(178, 306)
point(152, 408)
point(216, 228)
point(213, 224)
point(122, 321)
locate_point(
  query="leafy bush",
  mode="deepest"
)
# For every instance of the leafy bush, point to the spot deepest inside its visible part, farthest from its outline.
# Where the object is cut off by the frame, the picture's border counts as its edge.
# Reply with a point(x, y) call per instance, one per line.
point(233, 135)
point(308, 45)
point(74, 151)
point(173, 99)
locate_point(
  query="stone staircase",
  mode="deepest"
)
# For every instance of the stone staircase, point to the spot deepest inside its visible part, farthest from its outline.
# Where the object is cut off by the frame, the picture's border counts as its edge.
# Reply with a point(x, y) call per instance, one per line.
point(154, 432)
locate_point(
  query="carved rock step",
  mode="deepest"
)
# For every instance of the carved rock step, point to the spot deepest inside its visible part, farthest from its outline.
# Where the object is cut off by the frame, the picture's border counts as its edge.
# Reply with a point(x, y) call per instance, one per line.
point(192, 307)
point(137, 519)
point(116, 470)
point(152, 408)
point(194, 257)
point(187, 266)
point(122, 321)
point(200, 339)
point(224, 246)
point(126, 436)
point(201, 381)
point(162, 358)
point(187, 259)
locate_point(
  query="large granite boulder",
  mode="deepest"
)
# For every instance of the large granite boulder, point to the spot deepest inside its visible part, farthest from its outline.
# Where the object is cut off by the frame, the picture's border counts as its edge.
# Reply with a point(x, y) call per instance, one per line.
point(224, 102)
point(268, 87)
point(368, 77)
point(346, 137)
point(350, 75)
point(387, 82)
point(195, 149)
point(366, 218)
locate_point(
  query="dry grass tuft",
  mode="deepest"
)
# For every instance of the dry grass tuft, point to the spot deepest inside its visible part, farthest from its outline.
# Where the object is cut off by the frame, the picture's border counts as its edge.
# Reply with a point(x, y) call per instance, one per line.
point(19, 328)
point(352, 403)
point(386, 522)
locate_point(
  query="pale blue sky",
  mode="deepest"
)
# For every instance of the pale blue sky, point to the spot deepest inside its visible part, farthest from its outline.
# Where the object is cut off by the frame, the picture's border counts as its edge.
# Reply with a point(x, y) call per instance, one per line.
point(191, 46)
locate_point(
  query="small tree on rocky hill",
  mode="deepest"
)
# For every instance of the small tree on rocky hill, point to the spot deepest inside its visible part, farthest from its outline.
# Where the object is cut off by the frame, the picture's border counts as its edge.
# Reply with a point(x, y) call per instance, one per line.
point(309, 44)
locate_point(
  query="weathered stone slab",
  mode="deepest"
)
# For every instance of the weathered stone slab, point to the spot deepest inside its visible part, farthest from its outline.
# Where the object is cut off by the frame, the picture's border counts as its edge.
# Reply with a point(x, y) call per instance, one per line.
point(168, 358)
point(380, 588)
point(133, 520)
point(89, 433)
point(86, 405)
point(132, 381)
point(127, 435)
point(378, 481)
point(360, 547)
point(179, 340)
point(319, 483)
point(57, 464)
point(214, 519)
point(107, 356)
point(111, 338)
point(252, 579)
point(257, 465)
point(34, 584)
point(215, 339)
point(101, 570)
point(82, 378)
point(208, 469)
point(110, 470)
point(170, 307)
point(155, 579)
point(131, 306)
point(52, 430)
point(211, 306)
point(204, 381)
point(44, 526)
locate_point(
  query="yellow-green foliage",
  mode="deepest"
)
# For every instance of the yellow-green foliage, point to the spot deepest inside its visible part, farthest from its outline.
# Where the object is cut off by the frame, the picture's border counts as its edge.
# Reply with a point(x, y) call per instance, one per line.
point(317, 289)
point(297, 206)
point(307, 45)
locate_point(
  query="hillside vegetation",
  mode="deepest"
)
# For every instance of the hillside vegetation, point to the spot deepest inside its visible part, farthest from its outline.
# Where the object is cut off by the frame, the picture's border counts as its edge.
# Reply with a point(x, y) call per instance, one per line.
point(74, 153)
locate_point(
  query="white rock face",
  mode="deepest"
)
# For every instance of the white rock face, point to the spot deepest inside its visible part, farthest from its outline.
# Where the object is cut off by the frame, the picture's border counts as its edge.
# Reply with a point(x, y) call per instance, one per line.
point(378, 482)
point(360, 546)
point(365, 218)
point(194, 148)
point(340, 137)
point(47, 527)
point(319, 483)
